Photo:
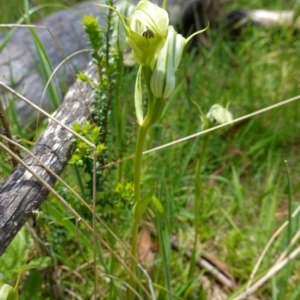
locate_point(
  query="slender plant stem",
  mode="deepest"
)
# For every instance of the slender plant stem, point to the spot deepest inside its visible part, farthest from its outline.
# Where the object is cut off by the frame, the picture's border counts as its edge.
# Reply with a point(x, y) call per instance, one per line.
point(198, 203)
point(154, 111)
point(142, 133)
point(118, 114)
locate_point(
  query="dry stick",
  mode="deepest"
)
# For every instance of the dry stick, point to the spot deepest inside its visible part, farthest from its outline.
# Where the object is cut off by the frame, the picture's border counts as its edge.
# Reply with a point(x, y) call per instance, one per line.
point(274, 236)
point(192, 136)
point(205, 264)
point(266, 277)
point(287, 250)
point(74, 212)
point(149, 280)
point(74, 295)
point(128, 252)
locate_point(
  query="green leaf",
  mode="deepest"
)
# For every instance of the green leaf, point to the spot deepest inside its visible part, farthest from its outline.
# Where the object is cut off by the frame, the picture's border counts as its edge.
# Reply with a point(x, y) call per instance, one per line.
point(158, 205)
point(45, 68)
point(138, 97)
point(38, 263)
point(140, 207)
point(15, 255)
point(296, 11)
point(69, 225)
point(32, 288)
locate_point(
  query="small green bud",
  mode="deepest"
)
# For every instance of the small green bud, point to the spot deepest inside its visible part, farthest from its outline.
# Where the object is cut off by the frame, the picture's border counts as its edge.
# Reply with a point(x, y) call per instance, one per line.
point(93, 31)
point(76, 127)
point(146, 32)
point(218, 114)
point(100, 148)
point(90, 23)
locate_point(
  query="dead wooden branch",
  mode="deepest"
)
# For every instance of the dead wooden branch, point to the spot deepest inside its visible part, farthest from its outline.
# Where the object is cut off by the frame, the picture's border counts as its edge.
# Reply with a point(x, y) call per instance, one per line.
point(21, 192)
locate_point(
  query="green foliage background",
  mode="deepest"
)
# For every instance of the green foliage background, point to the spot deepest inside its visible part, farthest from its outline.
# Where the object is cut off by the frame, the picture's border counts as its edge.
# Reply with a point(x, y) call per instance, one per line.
point(245, 186)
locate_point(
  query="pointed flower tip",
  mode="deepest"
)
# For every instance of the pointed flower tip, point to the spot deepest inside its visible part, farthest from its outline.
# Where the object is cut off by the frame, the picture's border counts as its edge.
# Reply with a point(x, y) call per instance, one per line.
point(196, 33)
point(126, 9)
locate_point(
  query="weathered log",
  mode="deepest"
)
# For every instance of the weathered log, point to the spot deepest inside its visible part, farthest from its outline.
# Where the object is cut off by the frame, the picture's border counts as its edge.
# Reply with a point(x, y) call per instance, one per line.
point(21, 192)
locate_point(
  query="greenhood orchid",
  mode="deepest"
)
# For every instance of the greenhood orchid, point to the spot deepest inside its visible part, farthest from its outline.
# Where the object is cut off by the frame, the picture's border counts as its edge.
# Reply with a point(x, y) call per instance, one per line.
point(146, 30)
point(218, 114)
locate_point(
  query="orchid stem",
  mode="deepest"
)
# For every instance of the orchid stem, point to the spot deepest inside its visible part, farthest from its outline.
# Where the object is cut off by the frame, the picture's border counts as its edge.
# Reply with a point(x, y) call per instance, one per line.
point(142, 133)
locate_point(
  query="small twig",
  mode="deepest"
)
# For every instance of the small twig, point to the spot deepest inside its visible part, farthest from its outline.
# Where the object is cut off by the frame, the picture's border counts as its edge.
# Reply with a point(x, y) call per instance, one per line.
point(208, 266)
point(276, 268)
point(149, 281)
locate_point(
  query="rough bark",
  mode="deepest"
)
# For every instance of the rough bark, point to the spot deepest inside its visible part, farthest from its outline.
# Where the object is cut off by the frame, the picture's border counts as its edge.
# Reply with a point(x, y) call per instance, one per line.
point(21, 192)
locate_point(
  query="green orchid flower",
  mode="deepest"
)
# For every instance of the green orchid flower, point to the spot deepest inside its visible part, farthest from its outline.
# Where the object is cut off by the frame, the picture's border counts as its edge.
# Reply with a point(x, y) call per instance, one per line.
point(146, 30)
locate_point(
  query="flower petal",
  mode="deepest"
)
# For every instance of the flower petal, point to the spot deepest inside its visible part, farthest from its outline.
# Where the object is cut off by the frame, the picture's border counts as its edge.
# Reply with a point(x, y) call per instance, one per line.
point(138, 97)
point(163, 80)
point(153, 17)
